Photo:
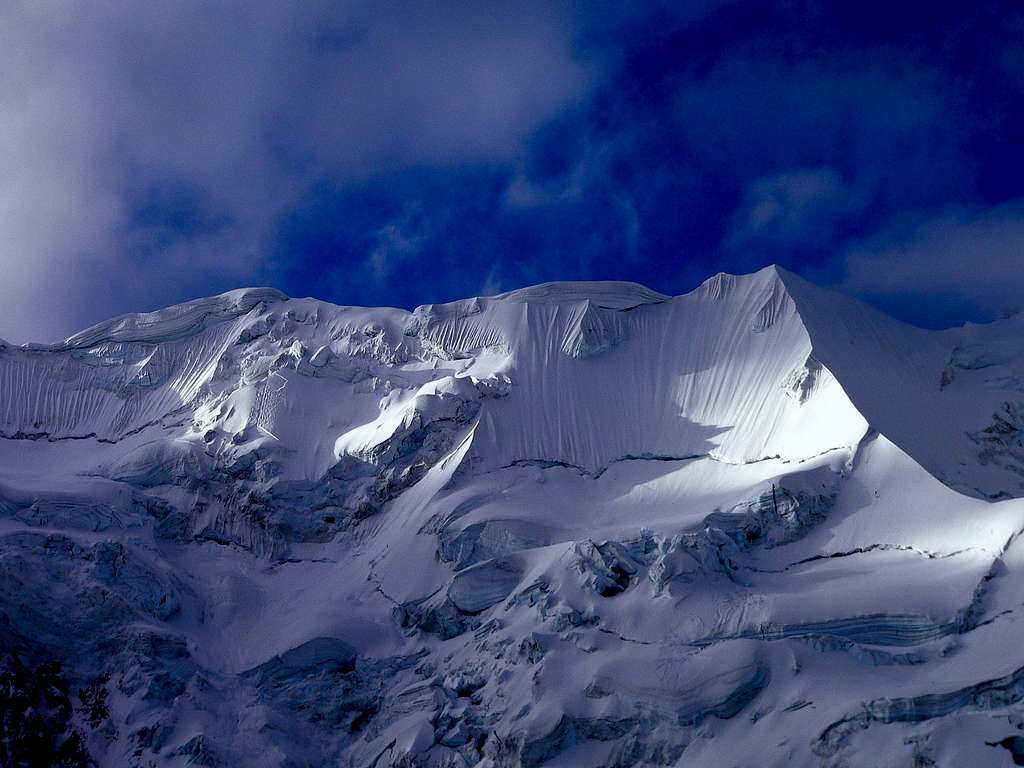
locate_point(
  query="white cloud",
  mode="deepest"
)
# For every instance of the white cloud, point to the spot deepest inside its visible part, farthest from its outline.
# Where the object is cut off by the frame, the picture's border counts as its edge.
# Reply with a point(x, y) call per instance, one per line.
point(968, 256)
point(797, 206)
point(247, 103)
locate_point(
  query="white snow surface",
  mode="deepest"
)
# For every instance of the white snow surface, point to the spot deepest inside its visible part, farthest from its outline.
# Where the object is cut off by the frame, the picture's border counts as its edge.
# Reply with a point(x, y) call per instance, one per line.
point(577, 524)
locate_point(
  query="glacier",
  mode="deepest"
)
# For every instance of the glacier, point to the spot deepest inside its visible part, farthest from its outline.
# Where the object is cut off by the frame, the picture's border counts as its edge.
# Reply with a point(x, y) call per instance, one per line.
point(576, 524)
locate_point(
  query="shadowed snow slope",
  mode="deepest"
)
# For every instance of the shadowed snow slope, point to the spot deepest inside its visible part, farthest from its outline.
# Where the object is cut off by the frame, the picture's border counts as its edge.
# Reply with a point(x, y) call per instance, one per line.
point(572, 524)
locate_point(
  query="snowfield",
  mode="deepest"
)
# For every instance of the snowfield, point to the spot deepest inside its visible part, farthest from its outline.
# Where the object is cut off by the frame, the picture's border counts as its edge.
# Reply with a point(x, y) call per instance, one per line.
point(578, 524)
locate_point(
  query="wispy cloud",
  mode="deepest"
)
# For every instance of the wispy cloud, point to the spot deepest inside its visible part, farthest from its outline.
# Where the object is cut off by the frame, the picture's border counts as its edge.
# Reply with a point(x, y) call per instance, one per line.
point(799, 207)
point(396, 153)
point(244, 104)
point(972, 258)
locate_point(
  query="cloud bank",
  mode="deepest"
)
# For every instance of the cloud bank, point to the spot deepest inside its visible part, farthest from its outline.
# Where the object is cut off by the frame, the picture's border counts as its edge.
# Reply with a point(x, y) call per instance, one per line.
point(973, 260)
point(401, 153)
point(151, 149)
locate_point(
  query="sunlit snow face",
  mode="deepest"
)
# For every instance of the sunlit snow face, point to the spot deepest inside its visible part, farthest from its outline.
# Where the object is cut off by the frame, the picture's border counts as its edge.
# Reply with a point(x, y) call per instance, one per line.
point(425, 532)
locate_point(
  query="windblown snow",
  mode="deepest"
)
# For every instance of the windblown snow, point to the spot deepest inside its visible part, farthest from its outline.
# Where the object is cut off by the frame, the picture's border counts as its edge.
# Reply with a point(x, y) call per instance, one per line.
point(577, 524)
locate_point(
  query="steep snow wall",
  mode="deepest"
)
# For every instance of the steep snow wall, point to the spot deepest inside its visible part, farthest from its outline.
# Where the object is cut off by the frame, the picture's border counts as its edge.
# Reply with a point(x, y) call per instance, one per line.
point(741, 369)
point(933, 393)
point(725, 371)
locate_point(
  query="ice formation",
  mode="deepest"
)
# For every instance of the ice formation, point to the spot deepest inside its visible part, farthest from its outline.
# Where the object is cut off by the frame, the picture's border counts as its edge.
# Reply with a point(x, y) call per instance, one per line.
point(578, 524)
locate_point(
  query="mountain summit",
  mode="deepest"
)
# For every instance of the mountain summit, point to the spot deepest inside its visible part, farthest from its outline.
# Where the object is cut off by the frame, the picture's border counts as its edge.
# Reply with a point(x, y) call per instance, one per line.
point(572, 524)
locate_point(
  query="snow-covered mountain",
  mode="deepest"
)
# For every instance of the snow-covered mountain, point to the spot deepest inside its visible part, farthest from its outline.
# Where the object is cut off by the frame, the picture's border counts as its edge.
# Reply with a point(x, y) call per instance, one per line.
point(578, 524)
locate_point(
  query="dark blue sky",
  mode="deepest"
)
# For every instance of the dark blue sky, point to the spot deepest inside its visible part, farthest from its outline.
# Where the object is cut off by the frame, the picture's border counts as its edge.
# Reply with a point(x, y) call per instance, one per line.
point(405, 153)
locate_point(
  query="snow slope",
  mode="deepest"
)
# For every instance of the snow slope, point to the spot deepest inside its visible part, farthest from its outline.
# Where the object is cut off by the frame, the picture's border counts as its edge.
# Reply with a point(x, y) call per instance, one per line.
point(573, 524)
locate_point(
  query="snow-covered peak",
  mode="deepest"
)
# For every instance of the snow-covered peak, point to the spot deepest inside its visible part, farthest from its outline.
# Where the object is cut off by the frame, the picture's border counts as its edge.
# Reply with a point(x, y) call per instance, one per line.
point(176, 321)
point(722, 284)
point(575, 524)
point(743, 368)
point(920, 388)
point(610, 294)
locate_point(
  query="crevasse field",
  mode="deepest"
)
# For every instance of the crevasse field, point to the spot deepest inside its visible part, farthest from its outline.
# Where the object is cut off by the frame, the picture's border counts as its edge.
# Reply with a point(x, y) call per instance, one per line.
point(578, 524)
